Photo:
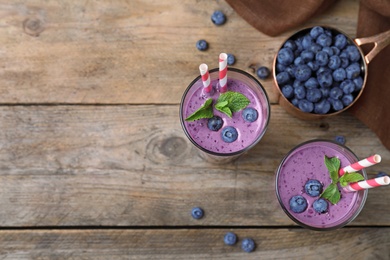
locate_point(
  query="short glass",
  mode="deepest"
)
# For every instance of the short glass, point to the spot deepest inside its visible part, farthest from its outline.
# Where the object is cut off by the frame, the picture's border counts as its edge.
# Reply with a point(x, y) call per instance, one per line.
point(306, 161)
point(210, 143)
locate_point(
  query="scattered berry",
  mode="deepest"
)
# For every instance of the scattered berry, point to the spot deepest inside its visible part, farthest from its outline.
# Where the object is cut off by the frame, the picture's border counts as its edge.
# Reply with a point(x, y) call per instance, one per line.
point(202, 45)
point(197, 213)
point(382, 174)
point(248, 245)
point(320, 206)
point(231, 59)
point(229, 134)
point(298, 204)
point(313, 188)
point(262, 72)
point(249, 114)
point(215, 123)
point(340, 139)
point(218, 18)
point(230, 238)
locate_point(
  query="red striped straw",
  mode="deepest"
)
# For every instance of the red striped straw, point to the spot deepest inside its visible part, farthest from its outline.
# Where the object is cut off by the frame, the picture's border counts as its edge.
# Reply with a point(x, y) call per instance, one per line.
point(223, 72)
point(374, 159)
point(368, 184)
point(204, 73)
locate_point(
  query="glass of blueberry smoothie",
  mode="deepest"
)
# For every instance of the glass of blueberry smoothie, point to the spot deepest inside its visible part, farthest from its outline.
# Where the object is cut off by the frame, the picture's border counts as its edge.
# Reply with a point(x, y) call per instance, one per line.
point(303, 176)
point(225, 124)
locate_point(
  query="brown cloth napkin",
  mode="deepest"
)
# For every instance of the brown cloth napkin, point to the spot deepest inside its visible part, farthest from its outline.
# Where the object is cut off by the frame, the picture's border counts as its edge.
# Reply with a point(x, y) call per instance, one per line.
point(273, 17)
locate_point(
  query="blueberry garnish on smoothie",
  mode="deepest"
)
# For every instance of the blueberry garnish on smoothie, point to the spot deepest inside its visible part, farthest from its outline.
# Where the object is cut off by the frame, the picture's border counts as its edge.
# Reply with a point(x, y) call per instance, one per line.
point(313, 188)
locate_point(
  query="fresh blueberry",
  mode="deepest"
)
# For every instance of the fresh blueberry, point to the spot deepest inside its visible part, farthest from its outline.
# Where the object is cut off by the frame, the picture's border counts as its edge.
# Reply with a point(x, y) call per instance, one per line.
point(328, 50)
point(340, 139)
point(298, 83)
point(320, 206)
point(282, 78)
point(300, 92)
point(325, 79)
point(285, 56)
point(353, 53)
point(202, 45)
point(315, 47)
point(295, 101)
point(322, 58)
point(305, 106)
point(336, 93)
point(334, 62)
point(340, 41)
point(336, 104)
point(307, 55)
point(249, 114)
point(231, 59)
point(230, 238)
point(263, 72)
point(347, 86)
point(313, 95)
point(339, 74)
point(353, 70)
point(322, 107)
point(215, 123)
point(336, 51)
point(218, 18)
point(313, 188)
point(248, 245)
point(313, 65)
point(298, 204)
point(347, 99)
point(324, 40)
point(290, 44)
point(344, 62)
point(307, 41)
point(323, 69)
point(229, 134)
point(302, 72)
point(382, 174)
point(316, 31)
point(290, 70)
point(299, 61)
point(288, 91)
point(280, 67)
point(358, 83)
point(311, 83)
point(197, 213)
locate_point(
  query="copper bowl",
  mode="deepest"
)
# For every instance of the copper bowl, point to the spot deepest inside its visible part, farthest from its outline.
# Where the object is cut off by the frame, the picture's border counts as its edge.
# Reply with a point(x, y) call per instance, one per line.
point(380, 41)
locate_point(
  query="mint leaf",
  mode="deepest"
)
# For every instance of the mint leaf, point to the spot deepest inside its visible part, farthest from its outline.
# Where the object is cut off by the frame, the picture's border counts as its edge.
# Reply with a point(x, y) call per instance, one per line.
point(205, 111)
point(236, 101)
point(350, 177)
point(222, 104)
point(331, 193)
point(226, 110)
point(333, 165)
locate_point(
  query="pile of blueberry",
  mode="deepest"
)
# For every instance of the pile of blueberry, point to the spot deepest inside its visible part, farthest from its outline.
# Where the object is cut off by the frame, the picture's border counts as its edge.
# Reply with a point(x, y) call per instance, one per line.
point(313, 188)
point(320, 71)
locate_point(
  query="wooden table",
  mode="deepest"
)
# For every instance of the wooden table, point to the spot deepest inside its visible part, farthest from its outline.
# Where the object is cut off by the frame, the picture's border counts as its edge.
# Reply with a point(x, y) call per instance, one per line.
point(95, 165)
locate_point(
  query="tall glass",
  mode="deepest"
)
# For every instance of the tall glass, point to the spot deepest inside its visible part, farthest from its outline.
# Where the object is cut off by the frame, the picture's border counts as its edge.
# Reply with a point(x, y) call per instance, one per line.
point(211, 144)
point(306, 162)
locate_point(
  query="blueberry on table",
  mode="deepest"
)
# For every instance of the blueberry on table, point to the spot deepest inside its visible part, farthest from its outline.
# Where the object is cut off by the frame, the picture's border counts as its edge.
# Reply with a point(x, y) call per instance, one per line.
point(250, 114)
point(197, 213)
point(340, 139)
point(302, 72)
point(263, 72)
point(229, 134)
point(298, 204)
point(305, 105)
point(248, 245)
point(313, 188)
point(230, 238)
point(231, 59)
point(202, 45)
point(215, 123)
point(285, 56)
point(322, 107)
point(320, 206)
point(218, 18)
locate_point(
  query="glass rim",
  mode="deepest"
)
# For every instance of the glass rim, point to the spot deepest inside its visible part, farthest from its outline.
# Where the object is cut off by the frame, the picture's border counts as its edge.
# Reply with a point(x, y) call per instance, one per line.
point(241, 150)
point(345, 222)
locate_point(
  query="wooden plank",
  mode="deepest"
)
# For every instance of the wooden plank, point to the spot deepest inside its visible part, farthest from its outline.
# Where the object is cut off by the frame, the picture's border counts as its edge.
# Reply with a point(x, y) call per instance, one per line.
point(125, 52)
point(132, 166)
point(349, 243)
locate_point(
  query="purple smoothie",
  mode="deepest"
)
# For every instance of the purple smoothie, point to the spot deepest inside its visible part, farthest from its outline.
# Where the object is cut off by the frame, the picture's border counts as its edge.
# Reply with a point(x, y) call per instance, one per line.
point(249, 133)
point(307, 162)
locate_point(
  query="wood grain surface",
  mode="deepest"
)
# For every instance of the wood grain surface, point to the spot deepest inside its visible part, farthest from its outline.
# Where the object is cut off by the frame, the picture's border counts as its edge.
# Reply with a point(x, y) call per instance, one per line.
point(94, 163)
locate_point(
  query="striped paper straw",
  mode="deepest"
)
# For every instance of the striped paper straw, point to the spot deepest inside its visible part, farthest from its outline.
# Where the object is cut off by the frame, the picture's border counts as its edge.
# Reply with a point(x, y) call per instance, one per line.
point(204, 73)
point(223, 72)
point(368, 184)
point(374, 159)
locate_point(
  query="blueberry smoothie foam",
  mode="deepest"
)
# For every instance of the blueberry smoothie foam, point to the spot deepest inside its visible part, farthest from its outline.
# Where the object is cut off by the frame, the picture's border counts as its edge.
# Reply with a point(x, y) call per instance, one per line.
point(306, 162)
point(248, 133)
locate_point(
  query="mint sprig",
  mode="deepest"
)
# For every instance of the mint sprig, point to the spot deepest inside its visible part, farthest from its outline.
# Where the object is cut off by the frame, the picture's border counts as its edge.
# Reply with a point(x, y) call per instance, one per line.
point(230, 102)
point(332, 192)
point(205, 111)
